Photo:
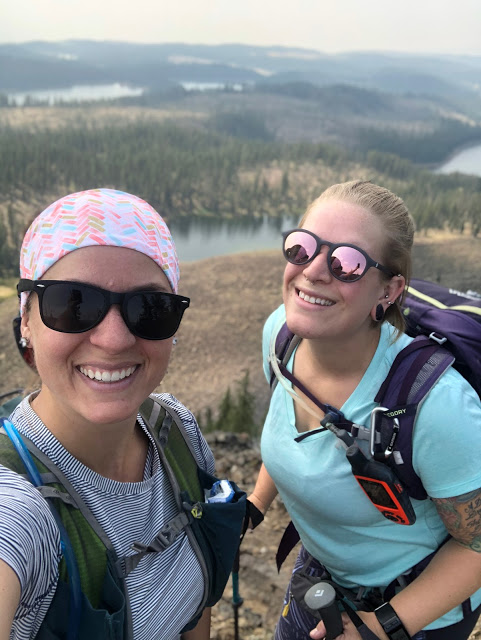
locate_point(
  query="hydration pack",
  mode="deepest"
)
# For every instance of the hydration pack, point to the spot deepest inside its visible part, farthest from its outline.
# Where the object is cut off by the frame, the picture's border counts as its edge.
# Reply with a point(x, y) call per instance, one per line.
point(451, 318)
point(91, 599)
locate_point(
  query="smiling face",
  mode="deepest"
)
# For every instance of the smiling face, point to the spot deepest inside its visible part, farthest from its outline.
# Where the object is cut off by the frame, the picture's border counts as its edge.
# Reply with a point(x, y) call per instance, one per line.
point(103, 375)
point(318, 306)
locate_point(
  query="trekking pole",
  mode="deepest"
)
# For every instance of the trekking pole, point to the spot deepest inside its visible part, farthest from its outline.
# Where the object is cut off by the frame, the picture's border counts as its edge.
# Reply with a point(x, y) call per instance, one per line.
point(236, 598)
point(255, 517)
point(321, 598)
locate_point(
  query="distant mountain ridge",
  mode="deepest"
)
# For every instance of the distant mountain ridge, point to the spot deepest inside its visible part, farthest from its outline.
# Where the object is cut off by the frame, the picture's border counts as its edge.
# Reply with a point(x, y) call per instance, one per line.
point(45, 65)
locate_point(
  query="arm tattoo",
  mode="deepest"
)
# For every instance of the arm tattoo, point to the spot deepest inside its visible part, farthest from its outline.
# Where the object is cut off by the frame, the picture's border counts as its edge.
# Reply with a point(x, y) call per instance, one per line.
point(462, 518)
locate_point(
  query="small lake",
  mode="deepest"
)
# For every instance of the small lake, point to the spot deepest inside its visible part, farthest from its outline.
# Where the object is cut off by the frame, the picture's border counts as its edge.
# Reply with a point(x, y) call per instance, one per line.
point(199, 238)
point(211, 86)
point(89, 92)
point(466, 161)
point(78, 93)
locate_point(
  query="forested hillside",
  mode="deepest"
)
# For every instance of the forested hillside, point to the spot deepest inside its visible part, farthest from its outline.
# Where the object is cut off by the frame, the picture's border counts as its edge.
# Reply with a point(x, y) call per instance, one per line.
point(190, 168)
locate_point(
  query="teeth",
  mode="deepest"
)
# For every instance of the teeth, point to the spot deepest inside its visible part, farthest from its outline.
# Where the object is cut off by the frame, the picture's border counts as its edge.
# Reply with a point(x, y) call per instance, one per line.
point(321, 301)
point(107, 376)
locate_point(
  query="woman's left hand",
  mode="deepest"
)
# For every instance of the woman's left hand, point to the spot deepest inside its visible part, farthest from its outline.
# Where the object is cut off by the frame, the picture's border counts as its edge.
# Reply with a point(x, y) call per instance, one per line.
point(370, 630)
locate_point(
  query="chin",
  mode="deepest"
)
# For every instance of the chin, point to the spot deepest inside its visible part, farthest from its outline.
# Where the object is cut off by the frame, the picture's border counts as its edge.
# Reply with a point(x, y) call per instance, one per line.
point(103, 414)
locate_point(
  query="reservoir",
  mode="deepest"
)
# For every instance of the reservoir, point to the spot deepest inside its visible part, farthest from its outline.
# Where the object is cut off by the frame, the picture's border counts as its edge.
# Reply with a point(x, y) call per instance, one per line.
point(199, 238)
point(466, 161)
point(78, 93)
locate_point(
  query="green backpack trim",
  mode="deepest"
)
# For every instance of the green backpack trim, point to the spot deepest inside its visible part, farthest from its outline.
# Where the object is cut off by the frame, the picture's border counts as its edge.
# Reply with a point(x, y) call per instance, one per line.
point(86, 543)
point(176, 446)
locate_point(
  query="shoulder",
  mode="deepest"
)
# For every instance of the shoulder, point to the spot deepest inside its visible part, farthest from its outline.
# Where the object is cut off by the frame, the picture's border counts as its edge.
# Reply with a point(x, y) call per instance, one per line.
point(274, 321)
point(392, 340)
point(204, 455)
point(453, 397)
point(271, 327)
point(446, 436)
point(29, 537)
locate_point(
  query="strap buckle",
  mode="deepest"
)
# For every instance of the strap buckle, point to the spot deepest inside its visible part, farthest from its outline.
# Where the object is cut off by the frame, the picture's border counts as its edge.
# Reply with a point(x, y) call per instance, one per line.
point(437, 337)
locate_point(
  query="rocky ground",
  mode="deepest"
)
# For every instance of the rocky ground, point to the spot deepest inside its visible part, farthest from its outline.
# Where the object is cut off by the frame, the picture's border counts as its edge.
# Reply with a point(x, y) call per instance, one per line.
point(261, 587)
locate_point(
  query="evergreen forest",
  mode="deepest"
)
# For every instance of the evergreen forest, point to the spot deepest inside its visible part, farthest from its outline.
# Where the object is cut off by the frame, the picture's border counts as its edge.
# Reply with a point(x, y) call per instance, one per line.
point(226, 166)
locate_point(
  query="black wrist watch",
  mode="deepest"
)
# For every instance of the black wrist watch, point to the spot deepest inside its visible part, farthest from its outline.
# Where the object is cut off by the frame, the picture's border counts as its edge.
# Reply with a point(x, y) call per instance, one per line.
point(389, 621)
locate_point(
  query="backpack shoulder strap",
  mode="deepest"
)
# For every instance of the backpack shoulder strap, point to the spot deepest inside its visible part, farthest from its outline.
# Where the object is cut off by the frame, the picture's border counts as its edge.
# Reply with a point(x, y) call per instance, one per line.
point(413, 373)
point(172, 439)
point(286, 342)
point(180, 463)
point(8, 406)
point(78, 527)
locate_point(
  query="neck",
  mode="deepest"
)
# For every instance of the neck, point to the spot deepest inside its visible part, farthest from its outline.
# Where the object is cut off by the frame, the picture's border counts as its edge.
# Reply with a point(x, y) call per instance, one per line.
point(115, 450)
point(346, 358)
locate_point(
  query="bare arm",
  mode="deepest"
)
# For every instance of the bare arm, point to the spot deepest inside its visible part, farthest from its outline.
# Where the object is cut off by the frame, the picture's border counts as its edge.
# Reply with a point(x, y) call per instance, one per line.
point(451, 577)
point(264, 492)
point(9, 598)
point(200, 632)
point(454, 574)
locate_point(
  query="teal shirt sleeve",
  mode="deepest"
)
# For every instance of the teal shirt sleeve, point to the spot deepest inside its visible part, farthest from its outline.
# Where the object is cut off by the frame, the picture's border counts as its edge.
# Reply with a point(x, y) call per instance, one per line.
point(447, 438)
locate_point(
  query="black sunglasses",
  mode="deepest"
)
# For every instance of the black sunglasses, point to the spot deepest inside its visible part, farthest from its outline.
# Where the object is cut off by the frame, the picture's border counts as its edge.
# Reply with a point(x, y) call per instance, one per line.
point(346, 262)
point(75, 307)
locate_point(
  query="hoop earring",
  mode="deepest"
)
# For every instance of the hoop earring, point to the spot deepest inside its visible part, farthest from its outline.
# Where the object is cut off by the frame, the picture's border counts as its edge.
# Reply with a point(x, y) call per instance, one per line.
point(379, 313)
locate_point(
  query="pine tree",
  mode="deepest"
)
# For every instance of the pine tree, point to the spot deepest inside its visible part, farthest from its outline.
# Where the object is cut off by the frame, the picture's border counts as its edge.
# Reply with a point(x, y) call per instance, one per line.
point(243, 415)
point(226, 409)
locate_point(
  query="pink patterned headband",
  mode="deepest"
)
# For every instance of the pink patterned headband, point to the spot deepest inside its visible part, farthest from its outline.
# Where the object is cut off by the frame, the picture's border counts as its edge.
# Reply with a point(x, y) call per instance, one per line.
point(97, 217)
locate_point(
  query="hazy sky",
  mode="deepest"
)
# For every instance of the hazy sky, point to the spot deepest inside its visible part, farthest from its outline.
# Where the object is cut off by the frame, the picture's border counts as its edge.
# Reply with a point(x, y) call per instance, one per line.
point(437, 26)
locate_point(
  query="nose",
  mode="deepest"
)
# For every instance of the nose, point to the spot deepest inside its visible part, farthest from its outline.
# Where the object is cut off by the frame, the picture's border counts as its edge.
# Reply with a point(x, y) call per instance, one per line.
point(317, 269)
point(112, 335)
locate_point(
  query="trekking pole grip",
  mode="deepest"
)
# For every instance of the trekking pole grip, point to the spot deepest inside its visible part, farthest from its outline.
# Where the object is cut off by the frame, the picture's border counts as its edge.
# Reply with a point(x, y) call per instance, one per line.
point(321, 597)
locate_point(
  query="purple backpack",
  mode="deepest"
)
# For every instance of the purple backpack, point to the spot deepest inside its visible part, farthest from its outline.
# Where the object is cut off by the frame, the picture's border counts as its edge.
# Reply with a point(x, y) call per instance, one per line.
point(451, 318)
point(446, 326)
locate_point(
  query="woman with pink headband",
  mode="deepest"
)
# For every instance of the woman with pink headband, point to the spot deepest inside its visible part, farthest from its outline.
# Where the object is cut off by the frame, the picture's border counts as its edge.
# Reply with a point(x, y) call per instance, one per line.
point(99, 310)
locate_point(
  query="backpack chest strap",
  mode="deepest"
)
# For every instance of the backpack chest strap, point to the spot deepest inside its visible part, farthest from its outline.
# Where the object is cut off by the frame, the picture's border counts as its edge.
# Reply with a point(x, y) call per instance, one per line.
point(163, 540)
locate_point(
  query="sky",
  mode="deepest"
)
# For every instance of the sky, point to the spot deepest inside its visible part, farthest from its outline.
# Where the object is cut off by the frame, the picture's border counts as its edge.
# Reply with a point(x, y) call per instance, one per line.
point(329, 26)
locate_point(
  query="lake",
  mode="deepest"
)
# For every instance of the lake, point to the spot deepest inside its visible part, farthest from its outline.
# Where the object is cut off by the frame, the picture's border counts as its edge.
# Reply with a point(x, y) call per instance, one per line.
point(88, 92)
point(465, 161)
point(78, 93)
point(199, 238)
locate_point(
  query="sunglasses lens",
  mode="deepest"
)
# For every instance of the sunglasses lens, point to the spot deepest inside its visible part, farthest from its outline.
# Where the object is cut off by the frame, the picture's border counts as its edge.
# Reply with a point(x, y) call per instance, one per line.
point(72, 308)
point(347, 264)
point(299, 247)
point(154, 315)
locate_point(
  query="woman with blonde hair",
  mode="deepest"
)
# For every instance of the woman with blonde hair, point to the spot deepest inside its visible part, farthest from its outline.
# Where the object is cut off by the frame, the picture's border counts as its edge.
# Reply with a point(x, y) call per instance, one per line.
point(348, 264)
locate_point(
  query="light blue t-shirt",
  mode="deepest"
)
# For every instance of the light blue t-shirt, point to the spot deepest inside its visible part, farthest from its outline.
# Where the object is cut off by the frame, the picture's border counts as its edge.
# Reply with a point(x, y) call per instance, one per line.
point(336, 522)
